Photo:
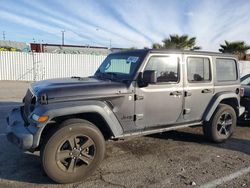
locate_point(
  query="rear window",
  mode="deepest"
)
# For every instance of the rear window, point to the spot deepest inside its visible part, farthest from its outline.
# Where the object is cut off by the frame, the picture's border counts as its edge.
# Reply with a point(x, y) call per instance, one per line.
point(226, 70)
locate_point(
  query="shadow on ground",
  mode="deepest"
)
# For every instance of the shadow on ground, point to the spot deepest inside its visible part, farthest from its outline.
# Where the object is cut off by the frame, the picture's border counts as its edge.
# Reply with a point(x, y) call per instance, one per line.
point(16, 165)
point(26, 168)
point(5, 109)
point(234, 144)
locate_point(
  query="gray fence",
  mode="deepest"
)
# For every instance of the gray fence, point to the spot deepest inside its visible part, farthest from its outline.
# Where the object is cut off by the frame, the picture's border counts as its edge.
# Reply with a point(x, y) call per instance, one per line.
point(39, 66)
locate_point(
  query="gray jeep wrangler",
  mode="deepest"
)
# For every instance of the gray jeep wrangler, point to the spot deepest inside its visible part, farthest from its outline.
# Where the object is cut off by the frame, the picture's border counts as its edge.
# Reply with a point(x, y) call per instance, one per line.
point(132, 93)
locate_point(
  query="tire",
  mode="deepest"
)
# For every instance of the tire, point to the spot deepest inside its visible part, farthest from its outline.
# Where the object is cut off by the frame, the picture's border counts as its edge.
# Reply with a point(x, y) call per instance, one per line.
point(73, 151)
point(222, 124)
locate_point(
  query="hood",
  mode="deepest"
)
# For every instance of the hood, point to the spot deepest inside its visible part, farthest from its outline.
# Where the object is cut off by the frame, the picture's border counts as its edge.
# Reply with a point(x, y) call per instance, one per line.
point(78, 88)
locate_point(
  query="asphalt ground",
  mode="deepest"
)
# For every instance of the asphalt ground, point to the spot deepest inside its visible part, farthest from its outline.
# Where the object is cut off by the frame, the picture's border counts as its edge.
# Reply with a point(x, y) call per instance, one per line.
point(182, 158)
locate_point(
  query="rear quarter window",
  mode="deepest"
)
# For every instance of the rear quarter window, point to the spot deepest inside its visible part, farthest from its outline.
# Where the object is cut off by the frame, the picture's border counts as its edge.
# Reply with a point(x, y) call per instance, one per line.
point(226, 70)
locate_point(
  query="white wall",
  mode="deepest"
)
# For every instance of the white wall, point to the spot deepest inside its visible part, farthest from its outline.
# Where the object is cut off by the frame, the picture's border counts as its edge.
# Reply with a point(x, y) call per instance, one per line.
point(244, 67)
point(39, 66)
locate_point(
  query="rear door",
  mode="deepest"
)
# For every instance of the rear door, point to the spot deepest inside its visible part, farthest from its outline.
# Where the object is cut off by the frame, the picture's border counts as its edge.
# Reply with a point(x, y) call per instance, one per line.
point(199, 88)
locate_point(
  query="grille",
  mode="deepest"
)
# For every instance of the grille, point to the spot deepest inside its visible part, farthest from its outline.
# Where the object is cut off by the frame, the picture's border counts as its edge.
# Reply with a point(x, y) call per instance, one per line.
point(29, 102)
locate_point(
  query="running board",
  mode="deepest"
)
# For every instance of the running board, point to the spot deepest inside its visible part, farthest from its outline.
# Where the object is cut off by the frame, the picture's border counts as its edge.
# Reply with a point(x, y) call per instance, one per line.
point(147, 132)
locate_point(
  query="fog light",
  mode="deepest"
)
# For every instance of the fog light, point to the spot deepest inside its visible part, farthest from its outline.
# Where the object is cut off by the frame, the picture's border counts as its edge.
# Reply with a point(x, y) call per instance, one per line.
point(40, 119)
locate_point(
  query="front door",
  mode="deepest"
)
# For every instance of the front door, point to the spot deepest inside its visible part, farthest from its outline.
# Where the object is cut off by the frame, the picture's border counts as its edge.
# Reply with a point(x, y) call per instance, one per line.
point(160, 103)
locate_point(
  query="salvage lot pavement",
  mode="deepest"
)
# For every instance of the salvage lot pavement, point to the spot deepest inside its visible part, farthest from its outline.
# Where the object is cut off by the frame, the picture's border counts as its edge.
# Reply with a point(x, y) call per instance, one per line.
point(174, 159)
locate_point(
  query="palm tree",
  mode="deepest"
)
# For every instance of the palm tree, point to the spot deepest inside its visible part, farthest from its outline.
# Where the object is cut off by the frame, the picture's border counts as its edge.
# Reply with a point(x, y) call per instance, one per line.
point(178, 42)
point(156, 46)
point(238, 48)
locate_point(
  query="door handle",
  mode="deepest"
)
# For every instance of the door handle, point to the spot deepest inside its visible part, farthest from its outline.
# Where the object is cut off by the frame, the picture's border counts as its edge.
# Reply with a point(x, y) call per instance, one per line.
point(176, 93)
point(206, 91)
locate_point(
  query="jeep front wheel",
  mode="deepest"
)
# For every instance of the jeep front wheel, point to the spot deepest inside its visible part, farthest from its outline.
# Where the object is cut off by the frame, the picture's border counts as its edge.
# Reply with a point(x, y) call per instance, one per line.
point(222, 124)
point(73, 151)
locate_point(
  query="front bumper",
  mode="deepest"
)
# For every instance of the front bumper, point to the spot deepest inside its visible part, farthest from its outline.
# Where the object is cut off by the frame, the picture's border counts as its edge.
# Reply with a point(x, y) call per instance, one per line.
point(17, 132)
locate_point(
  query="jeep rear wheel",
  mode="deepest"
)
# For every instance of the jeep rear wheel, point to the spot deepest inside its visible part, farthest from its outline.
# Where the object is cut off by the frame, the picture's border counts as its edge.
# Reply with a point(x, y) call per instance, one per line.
point(73, 151)
point(221, 125)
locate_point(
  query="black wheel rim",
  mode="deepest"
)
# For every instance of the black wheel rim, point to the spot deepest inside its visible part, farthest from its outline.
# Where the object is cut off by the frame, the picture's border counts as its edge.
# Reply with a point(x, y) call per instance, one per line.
point(224, 124)
point(75, 152)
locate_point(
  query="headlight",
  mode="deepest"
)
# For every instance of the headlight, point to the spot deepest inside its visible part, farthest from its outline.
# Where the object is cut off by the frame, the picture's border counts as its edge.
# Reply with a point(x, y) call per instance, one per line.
point(39, 119)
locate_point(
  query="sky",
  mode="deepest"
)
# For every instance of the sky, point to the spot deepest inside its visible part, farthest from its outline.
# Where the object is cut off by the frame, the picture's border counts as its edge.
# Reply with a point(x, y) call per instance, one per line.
point(125, 23)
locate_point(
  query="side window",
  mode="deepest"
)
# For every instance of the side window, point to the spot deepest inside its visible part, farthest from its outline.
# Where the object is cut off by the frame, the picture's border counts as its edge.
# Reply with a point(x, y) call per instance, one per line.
point(226, 70)
point(166, 68)
point(198, 69)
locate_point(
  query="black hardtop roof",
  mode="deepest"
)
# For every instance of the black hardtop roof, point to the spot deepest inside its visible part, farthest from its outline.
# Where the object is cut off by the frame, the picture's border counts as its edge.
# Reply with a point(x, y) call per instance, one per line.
point(190, 52)
point(167, 51)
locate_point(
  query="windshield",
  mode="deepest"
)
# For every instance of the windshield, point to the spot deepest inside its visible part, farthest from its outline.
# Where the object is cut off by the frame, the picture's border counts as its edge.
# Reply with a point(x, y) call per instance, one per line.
point(120, 66)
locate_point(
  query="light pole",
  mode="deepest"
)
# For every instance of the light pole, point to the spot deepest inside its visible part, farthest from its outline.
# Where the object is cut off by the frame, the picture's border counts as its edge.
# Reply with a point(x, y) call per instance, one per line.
point(41, 45)
point(3, 35)
point(110, 41)
point(63, 31)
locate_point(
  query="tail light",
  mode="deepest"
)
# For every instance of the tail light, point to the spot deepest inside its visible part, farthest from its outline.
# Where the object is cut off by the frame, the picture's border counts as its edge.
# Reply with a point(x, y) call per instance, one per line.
point(241, 91)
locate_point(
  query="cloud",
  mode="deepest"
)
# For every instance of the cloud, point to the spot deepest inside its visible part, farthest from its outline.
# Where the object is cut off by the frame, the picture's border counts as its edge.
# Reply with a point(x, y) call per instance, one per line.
point(109, 26)
point(216, 21)
point(190, 13)
point(131, 23)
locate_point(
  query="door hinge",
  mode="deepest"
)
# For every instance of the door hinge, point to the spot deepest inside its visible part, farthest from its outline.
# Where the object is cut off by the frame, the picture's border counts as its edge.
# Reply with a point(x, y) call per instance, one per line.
point(138, 117)
point(139, 97)
point(188, 93)
point(186, 111)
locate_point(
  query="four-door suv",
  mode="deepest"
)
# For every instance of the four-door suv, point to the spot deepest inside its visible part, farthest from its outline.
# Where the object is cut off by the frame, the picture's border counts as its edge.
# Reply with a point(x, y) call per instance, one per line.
point(132, 93)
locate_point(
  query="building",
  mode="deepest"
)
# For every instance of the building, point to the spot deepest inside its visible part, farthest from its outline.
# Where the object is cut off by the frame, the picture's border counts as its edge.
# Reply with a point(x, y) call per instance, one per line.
point(72, 49)
point(6, 45)
point(247, 57)
point(16, 46)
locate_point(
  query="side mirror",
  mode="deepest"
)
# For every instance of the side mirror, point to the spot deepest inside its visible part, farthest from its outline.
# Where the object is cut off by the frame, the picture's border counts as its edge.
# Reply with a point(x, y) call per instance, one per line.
point(147, 77)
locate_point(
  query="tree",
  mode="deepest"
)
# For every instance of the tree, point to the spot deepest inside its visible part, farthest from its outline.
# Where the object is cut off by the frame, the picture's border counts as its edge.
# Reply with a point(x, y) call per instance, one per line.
point(156, 46)
point(238, 48)
point(183, 42)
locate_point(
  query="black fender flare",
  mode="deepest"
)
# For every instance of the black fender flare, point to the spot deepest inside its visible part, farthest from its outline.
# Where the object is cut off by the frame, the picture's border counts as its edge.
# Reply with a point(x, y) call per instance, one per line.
point(216, 100)
point(71, 108)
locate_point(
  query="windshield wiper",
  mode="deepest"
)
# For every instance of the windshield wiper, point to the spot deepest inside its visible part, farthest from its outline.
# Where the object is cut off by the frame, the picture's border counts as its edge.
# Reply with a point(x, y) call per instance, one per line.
point(107, 75)
point(115, 77)
point(100, 75)
point(112, 75)
point(77, 77)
